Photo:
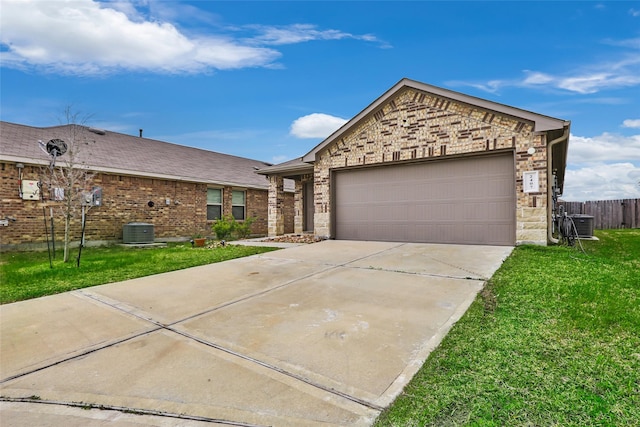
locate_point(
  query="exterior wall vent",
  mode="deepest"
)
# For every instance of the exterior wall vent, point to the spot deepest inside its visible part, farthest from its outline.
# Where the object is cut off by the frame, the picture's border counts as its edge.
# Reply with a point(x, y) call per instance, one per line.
point(584, 225)
point(138, 232)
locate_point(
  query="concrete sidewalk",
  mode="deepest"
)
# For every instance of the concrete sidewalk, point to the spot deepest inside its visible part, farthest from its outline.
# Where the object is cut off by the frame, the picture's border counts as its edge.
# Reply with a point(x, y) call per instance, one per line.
point(321, 334)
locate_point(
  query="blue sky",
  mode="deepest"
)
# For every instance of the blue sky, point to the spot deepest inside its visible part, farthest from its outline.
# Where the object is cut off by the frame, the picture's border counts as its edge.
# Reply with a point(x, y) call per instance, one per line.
point(268, 80)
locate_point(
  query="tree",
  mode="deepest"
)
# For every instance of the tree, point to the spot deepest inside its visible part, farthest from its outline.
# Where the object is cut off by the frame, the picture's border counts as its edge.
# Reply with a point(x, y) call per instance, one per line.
point(68, 178)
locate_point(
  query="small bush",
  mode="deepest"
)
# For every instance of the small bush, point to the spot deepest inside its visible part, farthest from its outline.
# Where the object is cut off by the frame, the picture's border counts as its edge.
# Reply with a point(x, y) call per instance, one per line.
point(224, 227)
point(227, 227)
point(243, 229)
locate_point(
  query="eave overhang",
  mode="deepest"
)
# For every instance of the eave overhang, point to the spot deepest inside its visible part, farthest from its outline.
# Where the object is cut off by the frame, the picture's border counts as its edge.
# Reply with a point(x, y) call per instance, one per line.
point(126, 172)
point(288, 169)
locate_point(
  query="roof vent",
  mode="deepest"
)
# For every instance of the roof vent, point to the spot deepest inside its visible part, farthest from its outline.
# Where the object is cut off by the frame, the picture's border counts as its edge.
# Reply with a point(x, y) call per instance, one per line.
point(97, 131)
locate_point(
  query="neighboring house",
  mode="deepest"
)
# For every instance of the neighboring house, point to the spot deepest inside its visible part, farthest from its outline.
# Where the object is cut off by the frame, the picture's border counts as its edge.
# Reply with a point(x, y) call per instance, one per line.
point(180, 190)
point(426, 164)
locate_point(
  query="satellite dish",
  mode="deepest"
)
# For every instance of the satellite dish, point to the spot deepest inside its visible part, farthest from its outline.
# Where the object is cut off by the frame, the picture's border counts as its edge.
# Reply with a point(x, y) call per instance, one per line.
point(56, 147)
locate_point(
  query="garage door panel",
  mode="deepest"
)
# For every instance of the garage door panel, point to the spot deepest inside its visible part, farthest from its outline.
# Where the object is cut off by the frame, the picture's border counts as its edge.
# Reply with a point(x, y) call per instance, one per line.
point(469, 201)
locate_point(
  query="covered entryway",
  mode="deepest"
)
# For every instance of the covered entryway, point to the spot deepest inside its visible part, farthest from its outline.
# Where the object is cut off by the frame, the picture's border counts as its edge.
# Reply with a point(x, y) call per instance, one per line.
point(469, 200)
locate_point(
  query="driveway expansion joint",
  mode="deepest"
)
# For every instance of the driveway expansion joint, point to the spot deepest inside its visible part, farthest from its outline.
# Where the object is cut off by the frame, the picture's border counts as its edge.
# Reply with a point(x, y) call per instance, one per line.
point(279, 370)
point(80, 355)
point(129, 410)
point(348, 382)
point(168, 327)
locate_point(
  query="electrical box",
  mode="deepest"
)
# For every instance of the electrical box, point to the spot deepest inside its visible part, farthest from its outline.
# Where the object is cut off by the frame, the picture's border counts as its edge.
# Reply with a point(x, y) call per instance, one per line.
point(30, 189)
point(97, 196)
point(93, 197)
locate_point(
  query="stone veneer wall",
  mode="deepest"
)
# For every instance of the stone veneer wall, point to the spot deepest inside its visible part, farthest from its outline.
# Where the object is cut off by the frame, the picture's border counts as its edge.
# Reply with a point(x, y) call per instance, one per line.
point(415, 125)
point(281, 208)
point(124, 199)
point(298, 202)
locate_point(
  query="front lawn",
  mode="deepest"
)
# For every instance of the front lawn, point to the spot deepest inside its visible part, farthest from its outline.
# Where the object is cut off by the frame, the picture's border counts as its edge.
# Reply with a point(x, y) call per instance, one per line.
point(554, 340)
point(26, 275)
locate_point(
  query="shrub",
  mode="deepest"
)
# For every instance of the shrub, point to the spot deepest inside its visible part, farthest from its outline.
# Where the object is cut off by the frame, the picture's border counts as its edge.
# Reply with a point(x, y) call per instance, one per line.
point(227, 227)
point(243, 229)
point(224, 226)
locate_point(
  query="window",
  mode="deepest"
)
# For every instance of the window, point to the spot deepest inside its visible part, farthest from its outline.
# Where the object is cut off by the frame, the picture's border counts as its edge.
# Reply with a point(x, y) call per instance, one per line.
point(214, 203)
point(238, 204)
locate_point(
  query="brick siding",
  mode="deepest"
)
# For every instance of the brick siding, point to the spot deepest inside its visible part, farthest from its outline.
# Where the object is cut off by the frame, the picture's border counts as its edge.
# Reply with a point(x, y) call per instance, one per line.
point(179, 210)
point(414, 125)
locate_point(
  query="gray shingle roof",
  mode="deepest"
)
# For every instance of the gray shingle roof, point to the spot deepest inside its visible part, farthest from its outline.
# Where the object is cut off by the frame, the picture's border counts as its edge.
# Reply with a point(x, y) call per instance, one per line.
point(113, 152)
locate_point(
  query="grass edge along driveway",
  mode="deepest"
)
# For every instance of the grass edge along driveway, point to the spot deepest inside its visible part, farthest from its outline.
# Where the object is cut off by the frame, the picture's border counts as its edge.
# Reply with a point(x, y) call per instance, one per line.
point(26, 275)
point(554, 339)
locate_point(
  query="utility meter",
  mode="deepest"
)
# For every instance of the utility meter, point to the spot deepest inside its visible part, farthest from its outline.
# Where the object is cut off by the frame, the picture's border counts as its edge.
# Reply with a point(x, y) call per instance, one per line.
point(93, 197)
point(97, 196)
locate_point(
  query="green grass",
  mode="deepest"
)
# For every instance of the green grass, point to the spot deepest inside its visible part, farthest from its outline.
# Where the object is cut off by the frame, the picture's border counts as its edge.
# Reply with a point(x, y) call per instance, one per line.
point(553, 340)
point(26, 275)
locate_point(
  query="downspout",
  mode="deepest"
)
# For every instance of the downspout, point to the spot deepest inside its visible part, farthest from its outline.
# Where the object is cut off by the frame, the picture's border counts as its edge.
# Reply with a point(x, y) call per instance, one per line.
point(564, 136)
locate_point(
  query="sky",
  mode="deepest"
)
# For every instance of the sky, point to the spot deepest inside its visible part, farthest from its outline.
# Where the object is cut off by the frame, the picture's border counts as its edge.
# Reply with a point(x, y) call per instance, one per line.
point(269, 80)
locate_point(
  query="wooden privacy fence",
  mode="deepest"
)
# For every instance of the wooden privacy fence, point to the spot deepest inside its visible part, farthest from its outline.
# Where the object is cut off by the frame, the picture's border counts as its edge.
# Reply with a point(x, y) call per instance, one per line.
point(608, 213)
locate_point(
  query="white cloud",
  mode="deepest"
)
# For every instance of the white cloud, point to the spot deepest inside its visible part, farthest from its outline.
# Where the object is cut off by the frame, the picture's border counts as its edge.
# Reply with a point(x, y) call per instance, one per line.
point(279, 159)
point(618, 75)
point(607, 147)
point(316, 125)
point(623, 70)
point(603, 167)
point(536, 78)
point(631, 123)
point(298, 33)
point(634, 12)
point(602, 182)
point(77, 37)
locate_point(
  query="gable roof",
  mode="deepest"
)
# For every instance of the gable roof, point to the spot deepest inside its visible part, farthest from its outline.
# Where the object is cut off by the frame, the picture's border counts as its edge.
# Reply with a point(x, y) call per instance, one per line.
point(117, 153)
point(541, 123)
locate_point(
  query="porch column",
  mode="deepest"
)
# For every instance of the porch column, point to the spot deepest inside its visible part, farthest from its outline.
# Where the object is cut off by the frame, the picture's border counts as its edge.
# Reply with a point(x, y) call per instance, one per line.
point(276, 206)
point(298, 207)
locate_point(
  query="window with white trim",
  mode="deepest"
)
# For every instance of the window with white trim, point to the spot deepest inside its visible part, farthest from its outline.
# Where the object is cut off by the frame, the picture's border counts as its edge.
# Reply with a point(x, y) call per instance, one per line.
point(238, 205)
point(214, 203)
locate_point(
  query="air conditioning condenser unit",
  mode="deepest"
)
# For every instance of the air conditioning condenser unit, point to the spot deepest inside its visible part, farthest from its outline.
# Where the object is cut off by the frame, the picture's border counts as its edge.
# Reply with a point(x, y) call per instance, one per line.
point(138, 232)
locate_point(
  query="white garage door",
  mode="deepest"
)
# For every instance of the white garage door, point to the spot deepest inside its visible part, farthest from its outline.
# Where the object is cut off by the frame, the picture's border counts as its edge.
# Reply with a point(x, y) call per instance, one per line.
point(466, 200)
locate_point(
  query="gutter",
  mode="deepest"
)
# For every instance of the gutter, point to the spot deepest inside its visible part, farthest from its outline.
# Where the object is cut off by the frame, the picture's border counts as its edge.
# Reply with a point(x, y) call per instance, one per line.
point(563, 137)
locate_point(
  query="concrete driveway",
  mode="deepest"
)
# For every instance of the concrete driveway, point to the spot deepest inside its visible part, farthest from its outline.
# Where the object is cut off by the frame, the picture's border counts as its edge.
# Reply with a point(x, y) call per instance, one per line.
point(321, 334)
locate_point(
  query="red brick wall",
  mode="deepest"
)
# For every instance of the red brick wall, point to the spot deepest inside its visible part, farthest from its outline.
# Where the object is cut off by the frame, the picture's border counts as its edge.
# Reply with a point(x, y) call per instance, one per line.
point(124, 199)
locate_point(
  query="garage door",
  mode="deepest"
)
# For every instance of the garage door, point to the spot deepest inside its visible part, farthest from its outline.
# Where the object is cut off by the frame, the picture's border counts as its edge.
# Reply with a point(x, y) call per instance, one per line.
point(467, 201)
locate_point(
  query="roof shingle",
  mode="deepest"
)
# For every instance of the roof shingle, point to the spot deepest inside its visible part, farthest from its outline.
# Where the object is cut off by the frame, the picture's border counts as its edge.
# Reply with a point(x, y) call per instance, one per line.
point(107, 151)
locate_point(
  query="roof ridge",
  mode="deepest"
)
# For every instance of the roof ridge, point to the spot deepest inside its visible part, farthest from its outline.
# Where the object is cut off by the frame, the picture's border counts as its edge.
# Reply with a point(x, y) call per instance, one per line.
point(88, 128)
